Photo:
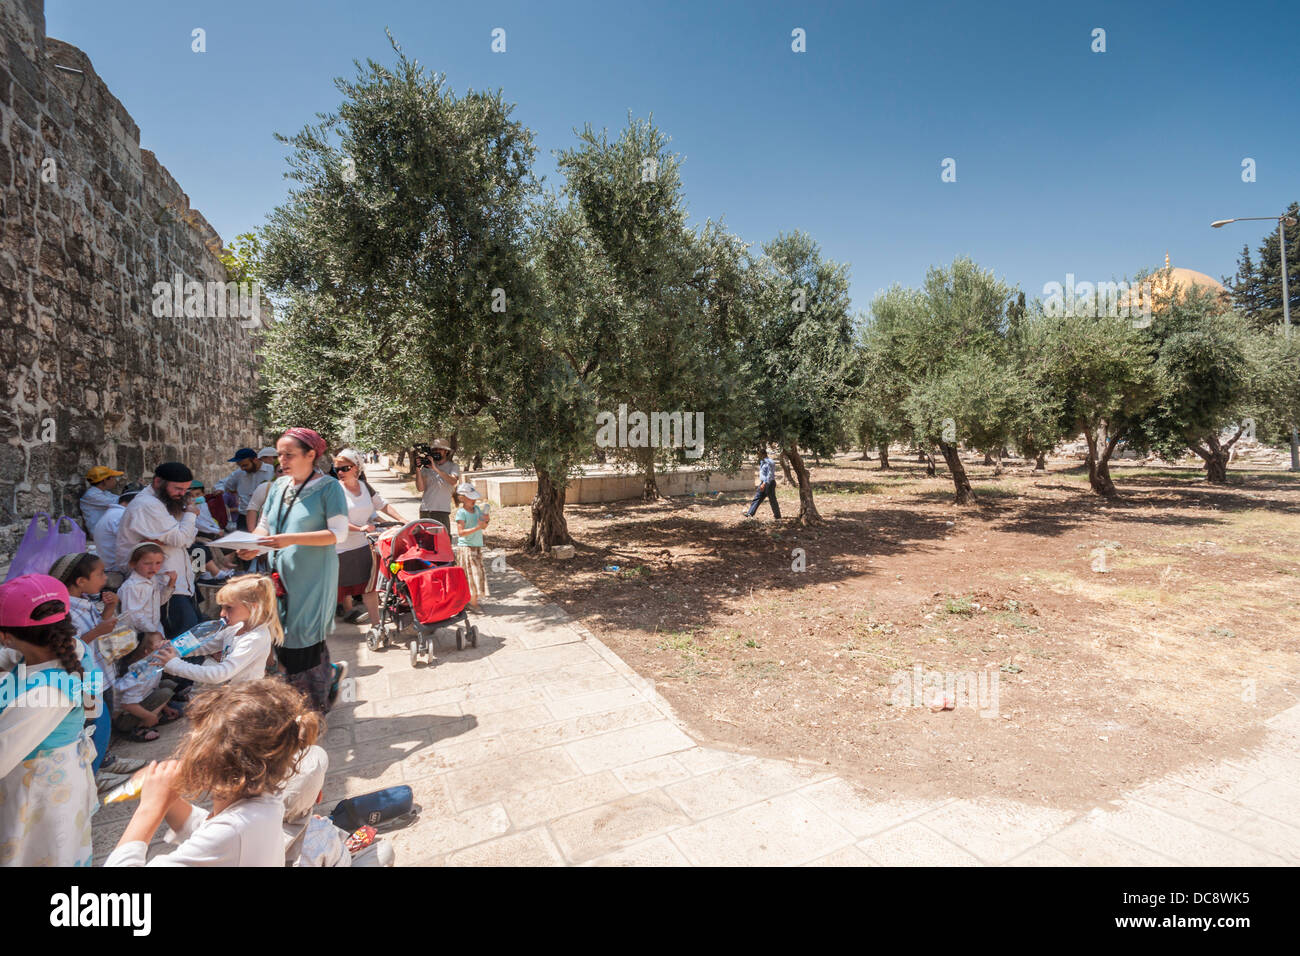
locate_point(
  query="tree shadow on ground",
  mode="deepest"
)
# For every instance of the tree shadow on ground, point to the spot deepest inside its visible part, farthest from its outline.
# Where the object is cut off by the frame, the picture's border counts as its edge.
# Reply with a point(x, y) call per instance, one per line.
point(725, 560)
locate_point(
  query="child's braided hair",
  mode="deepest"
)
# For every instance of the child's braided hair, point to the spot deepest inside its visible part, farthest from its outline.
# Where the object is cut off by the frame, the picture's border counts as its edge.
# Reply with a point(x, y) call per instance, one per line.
point(60, 637)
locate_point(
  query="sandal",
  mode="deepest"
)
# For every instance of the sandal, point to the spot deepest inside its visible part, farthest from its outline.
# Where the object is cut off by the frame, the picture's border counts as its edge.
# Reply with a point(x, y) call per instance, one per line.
point(144, 734)
point(164, 720)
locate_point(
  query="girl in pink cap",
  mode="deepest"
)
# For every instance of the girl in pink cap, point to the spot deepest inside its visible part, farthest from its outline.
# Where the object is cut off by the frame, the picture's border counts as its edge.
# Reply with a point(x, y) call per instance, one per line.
point(47, 789)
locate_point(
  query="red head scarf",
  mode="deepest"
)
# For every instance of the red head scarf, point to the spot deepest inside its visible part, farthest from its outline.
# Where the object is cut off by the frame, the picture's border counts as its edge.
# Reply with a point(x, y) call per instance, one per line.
point(308, 437)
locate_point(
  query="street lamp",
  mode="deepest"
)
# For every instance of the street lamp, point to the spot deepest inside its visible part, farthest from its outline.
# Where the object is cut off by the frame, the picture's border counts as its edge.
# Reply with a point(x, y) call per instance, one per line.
point(1282, 221)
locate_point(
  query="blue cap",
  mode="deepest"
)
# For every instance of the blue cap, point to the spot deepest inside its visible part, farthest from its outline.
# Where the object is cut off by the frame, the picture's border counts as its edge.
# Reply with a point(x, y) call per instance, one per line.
point(244, 453)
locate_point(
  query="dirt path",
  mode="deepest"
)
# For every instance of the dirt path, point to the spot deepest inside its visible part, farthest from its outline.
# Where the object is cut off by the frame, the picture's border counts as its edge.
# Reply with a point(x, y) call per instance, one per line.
point(1102, 643)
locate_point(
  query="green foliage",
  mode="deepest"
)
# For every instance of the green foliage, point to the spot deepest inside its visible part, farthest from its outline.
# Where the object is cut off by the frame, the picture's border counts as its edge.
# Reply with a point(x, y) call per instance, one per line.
point(243, 258)
point(1257, 286)
point(670, 345)
point(799, 350)
point(408, 214)
point(941, 362)
point(1097, 368)
point(1216, 376)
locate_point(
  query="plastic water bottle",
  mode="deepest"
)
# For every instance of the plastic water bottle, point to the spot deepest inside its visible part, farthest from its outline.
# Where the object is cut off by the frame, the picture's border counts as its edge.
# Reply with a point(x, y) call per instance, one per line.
point(185, 644)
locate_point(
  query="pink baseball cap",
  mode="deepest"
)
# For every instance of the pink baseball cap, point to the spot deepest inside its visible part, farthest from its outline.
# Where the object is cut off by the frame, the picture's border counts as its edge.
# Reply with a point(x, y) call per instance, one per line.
point(24, 594)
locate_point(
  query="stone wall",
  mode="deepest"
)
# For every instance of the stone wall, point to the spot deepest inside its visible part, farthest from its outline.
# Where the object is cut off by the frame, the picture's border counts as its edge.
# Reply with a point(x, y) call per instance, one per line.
point(91, 375)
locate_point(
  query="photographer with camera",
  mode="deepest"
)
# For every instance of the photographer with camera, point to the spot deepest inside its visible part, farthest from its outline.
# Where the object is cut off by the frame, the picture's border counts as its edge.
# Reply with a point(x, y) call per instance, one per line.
point(435, 479)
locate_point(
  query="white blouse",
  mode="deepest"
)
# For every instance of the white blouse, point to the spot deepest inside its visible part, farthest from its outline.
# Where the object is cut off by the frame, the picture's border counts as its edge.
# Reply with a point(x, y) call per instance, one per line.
point(243, 658)
point(246, 833)
point(360, 507)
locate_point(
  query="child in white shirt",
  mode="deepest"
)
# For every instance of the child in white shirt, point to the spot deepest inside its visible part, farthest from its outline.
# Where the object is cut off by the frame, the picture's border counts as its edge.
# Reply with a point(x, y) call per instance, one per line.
point(140, 705)
point(248, 608)
point(148, 587)
point(245, 742)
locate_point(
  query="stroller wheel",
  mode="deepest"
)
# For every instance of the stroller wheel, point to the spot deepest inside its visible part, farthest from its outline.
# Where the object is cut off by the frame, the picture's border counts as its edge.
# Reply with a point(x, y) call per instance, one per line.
point(460, 638)
point(473, 635)
point(372, 639)
point(415, 651)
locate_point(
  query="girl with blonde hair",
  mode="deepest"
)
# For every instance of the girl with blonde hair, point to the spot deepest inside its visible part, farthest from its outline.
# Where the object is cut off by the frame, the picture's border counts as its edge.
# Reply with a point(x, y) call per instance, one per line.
point(248, 607)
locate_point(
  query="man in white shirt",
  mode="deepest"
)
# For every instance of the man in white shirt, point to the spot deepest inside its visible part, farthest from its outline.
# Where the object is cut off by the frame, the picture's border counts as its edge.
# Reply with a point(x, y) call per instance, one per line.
point(99, 496)
point(160, 514)
point(250, 471)
point(106, 541)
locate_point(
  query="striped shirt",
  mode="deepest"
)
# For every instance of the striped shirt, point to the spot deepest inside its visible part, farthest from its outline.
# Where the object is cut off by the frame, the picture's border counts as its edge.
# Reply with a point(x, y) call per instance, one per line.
point(85, 615)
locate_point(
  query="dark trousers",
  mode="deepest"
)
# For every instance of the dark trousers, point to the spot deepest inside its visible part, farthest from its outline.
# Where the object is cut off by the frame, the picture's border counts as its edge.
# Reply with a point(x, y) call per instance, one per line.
point(179, 615)
point(442, 517)
point(103, 731)
point(767, 491)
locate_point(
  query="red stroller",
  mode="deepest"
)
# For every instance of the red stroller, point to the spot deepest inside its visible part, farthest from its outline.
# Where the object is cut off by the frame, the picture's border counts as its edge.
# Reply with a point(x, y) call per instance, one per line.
point(420, 585)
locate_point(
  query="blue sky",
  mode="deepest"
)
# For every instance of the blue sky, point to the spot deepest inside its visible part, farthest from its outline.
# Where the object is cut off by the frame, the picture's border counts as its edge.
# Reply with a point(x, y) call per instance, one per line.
point(1067, 161)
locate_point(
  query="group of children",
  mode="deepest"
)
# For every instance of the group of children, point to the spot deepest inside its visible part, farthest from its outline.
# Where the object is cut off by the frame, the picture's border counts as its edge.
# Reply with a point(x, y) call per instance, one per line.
point(80, 661)
point(68, 680)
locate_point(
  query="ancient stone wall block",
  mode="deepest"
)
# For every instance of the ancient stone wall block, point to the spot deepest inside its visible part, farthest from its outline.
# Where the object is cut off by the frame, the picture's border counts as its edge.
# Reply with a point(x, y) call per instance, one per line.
point(78, 341)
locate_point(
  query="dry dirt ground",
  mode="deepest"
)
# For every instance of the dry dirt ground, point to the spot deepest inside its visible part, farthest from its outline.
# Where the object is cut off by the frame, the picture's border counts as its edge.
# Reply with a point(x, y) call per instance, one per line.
point(1090, 644)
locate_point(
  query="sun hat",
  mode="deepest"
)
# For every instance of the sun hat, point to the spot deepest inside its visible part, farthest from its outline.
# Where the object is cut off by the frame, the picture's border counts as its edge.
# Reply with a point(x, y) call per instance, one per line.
point(243, 453)
point(268, 452)
point(441, 443)
point(99, 473)
point(24, 594)
point(467, 490)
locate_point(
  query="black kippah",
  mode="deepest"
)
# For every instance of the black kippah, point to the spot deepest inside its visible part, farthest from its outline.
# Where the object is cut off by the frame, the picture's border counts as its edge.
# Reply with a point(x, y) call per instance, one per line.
point(173, 471)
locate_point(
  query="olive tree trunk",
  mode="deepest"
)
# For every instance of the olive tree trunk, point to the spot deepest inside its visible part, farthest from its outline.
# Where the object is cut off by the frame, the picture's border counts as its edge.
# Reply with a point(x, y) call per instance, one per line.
point(549, 527)
point(961, 484)
point(808, 513)
point(1100, 448)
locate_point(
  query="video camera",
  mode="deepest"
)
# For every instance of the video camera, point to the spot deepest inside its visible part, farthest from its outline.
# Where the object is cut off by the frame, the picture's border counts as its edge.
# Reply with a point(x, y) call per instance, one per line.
point(428, 454)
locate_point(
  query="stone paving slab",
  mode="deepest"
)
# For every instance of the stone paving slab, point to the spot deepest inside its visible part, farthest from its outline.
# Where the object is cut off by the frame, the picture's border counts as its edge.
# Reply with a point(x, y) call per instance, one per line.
point(542, 747)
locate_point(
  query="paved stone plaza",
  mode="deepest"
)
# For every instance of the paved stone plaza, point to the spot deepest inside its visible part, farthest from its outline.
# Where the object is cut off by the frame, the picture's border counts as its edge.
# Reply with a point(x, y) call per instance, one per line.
point(542, 747)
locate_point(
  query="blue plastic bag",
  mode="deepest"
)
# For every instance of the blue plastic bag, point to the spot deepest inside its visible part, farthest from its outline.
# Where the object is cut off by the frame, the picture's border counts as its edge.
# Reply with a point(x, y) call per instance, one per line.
point(38, 552)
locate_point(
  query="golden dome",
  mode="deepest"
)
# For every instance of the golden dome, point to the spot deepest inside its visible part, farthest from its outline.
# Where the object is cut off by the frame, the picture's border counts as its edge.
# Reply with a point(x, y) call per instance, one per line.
point(1164, 281)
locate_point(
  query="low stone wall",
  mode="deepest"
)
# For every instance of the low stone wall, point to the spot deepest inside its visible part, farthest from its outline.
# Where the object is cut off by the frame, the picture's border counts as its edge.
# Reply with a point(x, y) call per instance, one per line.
point(511, 490)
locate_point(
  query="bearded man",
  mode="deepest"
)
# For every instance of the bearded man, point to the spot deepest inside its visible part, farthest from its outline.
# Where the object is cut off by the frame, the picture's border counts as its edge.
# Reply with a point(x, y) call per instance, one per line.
point(161, 514)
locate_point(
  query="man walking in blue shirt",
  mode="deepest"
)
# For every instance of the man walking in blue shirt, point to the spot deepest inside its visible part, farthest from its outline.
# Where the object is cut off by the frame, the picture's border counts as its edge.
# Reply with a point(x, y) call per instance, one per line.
point(766, 486)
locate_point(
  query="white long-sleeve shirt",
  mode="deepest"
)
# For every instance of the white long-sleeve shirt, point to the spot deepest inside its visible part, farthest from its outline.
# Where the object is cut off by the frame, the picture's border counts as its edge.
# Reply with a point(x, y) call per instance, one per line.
point(147, 518)
point(243, 658)
point(106, 539)
point(246, 833)
point(205, 523)
point(94, 503)
point(140, 601)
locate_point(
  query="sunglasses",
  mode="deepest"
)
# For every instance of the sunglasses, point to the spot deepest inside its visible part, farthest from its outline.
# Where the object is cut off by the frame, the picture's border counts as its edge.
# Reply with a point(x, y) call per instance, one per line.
point(343, 468)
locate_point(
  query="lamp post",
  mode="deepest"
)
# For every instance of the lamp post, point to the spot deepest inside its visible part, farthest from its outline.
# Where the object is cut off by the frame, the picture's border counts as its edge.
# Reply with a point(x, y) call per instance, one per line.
point(1282, 222)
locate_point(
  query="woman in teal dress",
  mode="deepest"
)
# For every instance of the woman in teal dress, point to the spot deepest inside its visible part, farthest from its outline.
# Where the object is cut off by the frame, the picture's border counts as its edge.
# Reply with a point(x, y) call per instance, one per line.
point(305, 515)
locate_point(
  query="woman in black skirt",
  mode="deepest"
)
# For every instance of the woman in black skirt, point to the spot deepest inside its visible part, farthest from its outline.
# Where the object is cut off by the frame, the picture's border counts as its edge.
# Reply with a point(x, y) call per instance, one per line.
point(357, 564)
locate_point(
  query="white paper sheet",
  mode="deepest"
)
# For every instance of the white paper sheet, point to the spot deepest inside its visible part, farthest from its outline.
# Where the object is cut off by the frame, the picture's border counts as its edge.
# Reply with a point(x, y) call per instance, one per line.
point(240, 541)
